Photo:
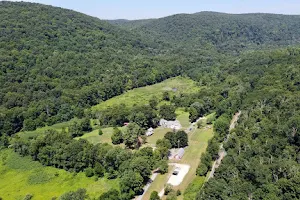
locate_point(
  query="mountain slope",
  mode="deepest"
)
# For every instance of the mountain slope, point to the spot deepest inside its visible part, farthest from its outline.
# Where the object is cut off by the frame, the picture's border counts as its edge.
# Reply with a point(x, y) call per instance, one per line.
point(55, 62)
point(225, 31)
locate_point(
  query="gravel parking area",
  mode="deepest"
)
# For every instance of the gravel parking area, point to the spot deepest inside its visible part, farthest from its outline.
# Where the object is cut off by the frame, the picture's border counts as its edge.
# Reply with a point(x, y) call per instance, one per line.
point(182, 169)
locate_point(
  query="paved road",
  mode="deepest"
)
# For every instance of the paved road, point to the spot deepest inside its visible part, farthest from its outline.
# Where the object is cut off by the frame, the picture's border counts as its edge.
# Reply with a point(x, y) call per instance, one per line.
point(146, 187)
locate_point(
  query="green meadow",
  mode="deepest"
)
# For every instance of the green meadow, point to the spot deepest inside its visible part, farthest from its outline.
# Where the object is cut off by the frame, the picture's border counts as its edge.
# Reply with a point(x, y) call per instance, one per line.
point(136, 96)
point(20, 176)
point(142, 95)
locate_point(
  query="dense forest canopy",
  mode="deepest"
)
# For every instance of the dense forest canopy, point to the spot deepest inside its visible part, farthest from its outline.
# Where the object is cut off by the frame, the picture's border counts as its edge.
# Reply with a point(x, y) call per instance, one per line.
point(227, 32)
point(56, 63)
point(262, 159)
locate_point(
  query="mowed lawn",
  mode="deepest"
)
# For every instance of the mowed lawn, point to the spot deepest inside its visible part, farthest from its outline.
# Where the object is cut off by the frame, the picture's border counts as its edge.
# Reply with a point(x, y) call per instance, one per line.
point(159, 133)
point(142, 95)
point(197, 145)
point(20, 176)
point(159, 182)
point(198, 141)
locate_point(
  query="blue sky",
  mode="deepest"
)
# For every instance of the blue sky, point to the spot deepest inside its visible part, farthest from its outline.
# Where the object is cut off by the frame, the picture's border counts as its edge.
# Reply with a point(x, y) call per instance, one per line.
point(139, 9)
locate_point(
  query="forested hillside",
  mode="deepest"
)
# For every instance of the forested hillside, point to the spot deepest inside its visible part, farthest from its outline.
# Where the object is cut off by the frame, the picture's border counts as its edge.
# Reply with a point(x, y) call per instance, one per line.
point(227, 32)
point(56, 62)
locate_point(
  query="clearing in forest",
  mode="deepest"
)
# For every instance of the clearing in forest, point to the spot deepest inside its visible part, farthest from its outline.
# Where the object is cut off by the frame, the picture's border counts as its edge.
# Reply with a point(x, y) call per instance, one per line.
point(142, 95)
point(198, 141)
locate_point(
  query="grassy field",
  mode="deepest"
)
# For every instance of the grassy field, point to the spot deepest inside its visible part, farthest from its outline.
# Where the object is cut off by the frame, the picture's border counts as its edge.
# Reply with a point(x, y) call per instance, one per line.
point(159, 133)
point(197, 145)
point(183, 118)
point(20, 176)
point(144, 94)
point(198, 141)
point(94, 138)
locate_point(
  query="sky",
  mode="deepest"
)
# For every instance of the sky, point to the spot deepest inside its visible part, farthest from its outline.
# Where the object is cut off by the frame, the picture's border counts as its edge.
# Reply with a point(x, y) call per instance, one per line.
point(139, 9)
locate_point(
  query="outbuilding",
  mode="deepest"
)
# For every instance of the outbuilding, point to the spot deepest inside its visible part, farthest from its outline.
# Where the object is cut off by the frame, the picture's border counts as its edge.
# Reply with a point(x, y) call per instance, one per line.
point(150, 132)
point(179, 154)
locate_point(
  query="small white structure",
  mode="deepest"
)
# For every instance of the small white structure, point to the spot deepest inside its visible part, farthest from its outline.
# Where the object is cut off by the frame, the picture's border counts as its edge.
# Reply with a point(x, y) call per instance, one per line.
point(150, 132)
point(181, 171)
point(179, 154)
point(170, 124)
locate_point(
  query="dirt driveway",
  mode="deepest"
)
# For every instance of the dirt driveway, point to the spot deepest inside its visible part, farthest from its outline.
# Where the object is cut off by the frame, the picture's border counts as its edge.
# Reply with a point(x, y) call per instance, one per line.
point(175, 180)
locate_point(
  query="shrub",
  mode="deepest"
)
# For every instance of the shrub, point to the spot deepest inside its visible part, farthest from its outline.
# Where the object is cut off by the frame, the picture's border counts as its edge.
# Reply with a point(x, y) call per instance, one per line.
point(200, 123)
point(172, 196)
point(112, 194)
point(100, 132)
point(99, 170)
point(202, 170)
point(154, 196)
point(89, 172)
point(168, 189)
point(79, 194)
point(28, 197)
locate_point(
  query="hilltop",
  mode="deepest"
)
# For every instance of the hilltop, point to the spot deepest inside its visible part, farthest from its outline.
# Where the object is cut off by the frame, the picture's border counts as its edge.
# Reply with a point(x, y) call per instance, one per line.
point(227, 32)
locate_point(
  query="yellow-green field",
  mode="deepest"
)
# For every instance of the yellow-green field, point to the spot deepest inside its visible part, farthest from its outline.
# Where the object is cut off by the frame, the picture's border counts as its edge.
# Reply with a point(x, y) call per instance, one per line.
point(20, 176)
point(144, 94)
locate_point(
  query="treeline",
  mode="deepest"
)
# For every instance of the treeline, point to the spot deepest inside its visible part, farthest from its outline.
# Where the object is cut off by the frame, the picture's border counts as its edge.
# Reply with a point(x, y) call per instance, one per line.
point(60, 150)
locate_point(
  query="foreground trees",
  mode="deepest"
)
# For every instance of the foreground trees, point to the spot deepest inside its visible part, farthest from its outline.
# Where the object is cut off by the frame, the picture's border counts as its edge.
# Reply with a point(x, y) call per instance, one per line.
point(60, 150)
point(177, 139)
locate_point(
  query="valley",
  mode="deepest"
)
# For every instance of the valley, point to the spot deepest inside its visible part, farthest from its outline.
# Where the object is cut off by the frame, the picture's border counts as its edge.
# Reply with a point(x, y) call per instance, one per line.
point(205, 104)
